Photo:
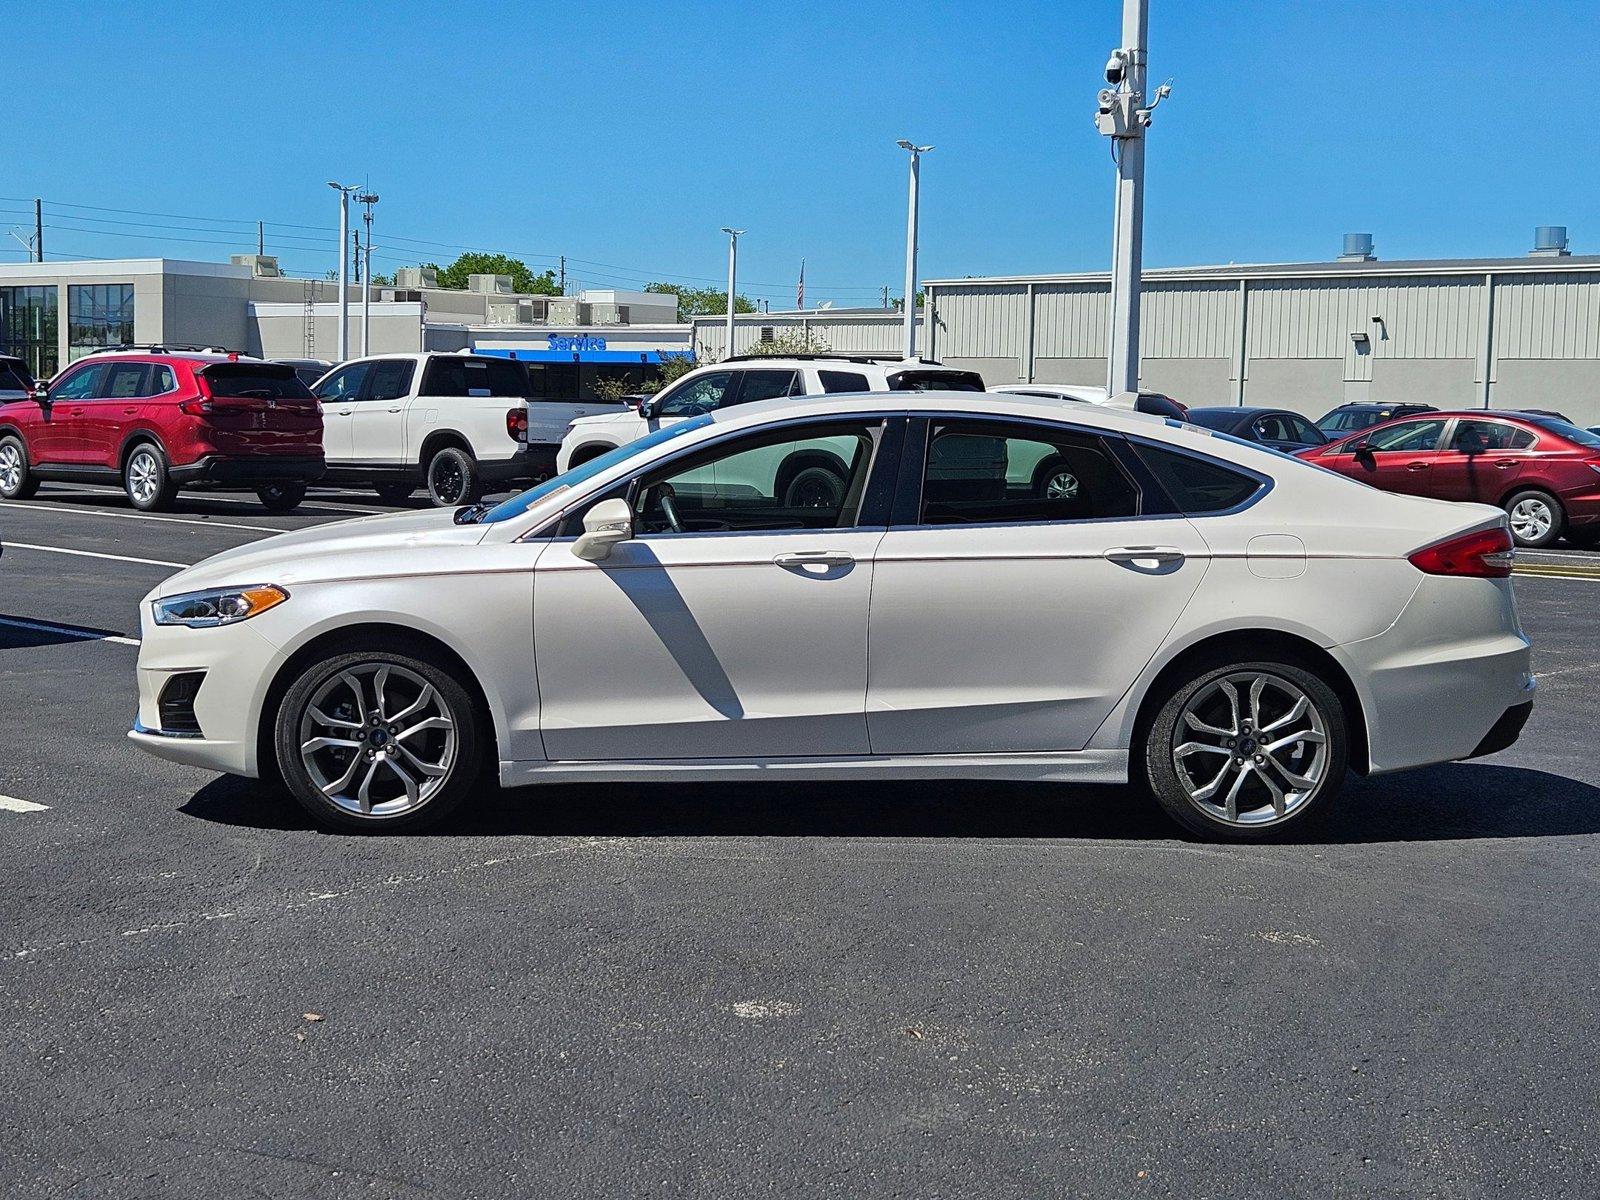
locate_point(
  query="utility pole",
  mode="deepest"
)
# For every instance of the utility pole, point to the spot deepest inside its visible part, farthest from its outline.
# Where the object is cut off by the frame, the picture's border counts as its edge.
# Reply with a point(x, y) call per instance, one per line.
point(1123, 116)
point(886, 297)
point(563, 274)
point(733, 266)
point(261, 238)
point(912, 203)
point(368, 199)
point(344, 191)
point(38, 230)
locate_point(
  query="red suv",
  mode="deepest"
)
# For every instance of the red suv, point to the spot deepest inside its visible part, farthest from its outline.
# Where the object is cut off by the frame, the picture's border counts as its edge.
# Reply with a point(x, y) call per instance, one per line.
point(158, 421)
point(1543, 471)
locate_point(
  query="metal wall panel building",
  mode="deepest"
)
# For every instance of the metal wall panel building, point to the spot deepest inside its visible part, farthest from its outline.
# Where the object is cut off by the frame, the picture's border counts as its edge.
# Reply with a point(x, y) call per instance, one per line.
point(1460, 333)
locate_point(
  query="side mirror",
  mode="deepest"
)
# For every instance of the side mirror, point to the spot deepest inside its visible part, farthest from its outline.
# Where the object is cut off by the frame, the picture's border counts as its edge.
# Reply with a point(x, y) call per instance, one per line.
point(1362, 449)
point(604, 526)
point(649, 406)
point(41, 392)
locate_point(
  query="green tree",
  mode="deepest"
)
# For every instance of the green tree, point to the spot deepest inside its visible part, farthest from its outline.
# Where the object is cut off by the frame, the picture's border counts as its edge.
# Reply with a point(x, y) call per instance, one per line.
point(793, 342)
point(523, 280)
point(702, 302)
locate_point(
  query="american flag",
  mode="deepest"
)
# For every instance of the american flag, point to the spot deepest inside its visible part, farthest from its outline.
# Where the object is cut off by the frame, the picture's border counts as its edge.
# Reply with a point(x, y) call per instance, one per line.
point(800, 290)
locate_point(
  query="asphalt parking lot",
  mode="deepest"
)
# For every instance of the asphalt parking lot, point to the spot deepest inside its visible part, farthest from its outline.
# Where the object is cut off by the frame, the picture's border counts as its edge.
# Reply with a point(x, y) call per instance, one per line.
point(902, 990)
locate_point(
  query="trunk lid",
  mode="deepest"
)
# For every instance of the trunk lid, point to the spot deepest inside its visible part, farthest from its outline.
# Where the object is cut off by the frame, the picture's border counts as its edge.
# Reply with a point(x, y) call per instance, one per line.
point(260, 408)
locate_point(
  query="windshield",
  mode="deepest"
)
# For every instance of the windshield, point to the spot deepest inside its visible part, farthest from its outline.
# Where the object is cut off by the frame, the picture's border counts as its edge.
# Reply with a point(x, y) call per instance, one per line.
point(520, 504)
point(1572, 433)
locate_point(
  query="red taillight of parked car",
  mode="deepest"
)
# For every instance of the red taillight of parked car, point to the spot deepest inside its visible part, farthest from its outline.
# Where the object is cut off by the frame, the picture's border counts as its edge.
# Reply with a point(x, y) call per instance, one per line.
point(1486, 554)
point(517, 424)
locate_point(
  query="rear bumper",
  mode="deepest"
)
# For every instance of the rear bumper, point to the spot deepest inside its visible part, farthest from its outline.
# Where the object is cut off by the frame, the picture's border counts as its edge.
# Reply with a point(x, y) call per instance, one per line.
point(528, 464)
point(1506, 730)
point(263, 468)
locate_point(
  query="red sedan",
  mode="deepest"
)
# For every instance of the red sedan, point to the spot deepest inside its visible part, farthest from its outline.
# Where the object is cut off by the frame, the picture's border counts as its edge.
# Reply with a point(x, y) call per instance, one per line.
point(1543, 471)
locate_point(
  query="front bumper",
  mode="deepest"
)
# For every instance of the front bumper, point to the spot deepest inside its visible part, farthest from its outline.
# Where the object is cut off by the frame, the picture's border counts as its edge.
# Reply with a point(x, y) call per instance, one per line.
point(250, 469)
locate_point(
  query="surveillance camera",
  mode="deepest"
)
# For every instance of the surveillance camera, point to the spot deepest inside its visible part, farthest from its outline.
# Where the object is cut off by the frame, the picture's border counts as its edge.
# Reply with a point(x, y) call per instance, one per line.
point(1116, 66)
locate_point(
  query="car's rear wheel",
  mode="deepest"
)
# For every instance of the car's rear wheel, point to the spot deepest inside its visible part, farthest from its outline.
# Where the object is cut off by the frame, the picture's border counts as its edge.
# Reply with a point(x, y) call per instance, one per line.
point(281, 497)
point(17, 481)
point(378, 740)
point(145, 478)
point(1537, 518)
point(453, 478)
point(815, 487)
point(1053, 480)
point(395, 493)
point(1242, 750)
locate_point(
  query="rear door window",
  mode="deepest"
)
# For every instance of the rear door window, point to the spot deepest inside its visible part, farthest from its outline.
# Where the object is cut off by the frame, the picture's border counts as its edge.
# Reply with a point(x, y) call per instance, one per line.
point(988, 472)
point(843, 381)
point(767, 385)
point(1480, 437)
point(123, 381)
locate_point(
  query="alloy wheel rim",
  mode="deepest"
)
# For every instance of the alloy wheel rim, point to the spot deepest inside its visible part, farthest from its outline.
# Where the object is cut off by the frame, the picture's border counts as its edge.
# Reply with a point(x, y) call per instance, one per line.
point(1531, 518)
point(447, 482)
point(142, 477)
point(1063, 485)
point(378, 740)
point(1250, 748)
point(10, 467)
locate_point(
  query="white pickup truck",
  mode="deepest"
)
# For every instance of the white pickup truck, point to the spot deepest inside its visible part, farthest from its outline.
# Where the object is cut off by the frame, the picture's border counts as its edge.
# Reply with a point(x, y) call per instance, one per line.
point(452, 423)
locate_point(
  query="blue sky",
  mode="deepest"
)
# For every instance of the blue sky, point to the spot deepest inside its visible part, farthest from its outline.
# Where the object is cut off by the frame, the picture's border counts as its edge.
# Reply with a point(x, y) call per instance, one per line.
point(625, 134)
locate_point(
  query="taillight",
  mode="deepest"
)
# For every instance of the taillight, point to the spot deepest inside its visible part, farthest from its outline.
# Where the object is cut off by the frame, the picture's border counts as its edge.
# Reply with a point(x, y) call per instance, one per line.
point(517, 424)
point(197, 408)
point(1486, 554)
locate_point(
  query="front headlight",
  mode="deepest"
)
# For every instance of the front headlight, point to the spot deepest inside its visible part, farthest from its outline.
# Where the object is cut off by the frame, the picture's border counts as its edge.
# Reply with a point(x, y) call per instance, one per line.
point(220, 606)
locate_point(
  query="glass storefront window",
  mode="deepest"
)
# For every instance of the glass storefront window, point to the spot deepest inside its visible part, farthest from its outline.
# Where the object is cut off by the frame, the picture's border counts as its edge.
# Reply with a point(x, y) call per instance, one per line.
point(28, 328)
point(98, 315)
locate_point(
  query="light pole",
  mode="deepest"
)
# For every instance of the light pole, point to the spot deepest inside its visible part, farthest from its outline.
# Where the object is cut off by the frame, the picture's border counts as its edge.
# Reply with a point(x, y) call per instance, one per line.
point(368, 199)
point(344, 191)
point(1123, 116)
point(912, 204)
point(733, 267)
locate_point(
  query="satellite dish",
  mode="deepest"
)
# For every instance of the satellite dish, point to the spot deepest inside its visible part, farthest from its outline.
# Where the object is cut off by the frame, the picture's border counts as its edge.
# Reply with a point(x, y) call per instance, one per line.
point(825, 304)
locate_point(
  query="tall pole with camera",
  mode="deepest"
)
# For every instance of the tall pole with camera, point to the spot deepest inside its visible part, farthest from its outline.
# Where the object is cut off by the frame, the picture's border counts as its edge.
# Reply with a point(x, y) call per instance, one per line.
point(1123, 116)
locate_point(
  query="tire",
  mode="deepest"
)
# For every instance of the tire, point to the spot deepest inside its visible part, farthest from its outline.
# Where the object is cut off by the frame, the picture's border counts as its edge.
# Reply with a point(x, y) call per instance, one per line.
point(1540, 517)
point(1196, 794)
point(17, 480)
point(328, 780)
point(453, 478)
point(395, 493)
point(145, 478)
point(1053, 481)
point(281, 497)
point(815, 487)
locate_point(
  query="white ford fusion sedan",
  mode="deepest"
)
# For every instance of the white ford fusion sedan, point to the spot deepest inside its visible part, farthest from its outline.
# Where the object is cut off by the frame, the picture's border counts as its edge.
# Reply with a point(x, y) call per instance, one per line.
point(908, 585)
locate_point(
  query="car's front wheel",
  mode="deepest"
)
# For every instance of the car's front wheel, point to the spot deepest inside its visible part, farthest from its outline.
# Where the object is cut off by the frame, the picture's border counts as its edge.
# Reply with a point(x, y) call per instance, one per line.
point(1243, 749)
point(17, 482)
point(378, 740)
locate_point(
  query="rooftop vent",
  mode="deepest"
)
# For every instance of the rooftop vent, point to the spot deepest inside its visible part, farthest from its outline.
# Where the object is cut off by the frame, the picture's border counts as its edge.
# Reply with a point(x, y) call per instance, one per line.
point(265, 266)
point(1357, 248)
point(494, 285)
point(416, 277)
point(1550, 241)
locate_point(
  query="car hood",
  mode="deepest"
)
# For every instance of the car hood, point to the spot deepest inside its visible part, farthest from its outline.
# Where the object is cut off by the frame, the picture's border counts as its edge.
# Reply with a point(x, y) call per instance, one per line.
point(366, 546)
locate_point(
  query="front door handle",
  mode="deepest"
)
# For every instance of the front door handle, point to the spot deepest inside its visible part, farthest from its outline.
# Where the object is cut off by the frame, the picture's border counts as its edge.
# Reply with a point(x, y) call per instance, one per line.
point(1144, 554)
point(815, 558)
point(394, 410)
point(1417, 466)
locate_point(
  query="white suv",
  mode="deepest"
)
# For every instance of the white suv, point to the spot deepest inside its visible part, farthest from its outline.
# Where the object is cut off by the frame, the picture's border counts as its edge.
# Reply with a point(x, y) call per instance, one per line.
point(746, 378)
point(448, 422)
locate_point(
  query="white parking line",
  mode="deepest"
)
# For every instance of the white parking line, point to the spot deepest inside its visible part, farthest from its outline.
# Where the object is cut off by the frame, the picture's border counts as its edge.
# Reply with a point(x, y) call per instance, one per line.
point(85, 635)
point(12, 804)
point(128, 516)
point(149, 562)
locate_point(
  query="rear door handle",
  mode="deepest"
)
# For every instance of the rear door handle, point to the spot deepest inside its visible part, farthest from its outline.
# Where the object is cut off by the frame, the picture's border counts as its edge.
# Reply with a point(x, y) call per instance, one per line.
point(1144, 554)
point(394, 410)
point(815, 558)
point(1506, 462)
point(1417, 466)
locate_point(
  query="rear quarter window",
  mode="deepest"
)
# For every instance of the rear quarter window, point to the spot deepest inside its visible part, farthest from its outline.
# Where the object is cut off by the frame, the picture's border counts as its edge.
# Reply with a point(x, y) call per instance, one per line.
point(1195, 484)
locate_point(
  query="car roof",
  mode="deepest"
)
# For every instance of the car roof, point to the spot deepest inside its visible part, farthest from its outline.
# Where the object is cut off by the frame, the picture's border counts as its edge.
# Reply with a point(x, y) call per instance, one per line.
point(1248, 411)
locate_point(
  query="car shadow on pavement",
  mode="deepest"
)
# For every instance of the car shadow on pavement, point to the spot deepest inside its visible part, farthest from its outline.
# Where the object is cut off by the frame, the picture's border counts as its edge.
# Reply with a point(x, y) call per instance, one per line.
point(1460, 800)
point(20, 633)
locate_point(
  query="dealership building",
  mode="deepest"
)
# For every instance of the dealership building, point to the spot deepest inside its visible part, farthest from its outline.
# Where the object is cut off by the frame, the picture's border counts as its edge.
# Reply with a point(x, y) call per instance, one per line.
point(1504, 333)
point(1501, 333)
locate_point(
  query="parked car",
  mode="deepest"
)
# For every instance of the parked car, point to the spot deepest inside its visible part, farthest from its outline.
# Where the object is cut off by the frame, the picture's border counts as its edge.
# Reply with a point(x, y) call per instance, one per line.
point(1153, 403)
point(452, 423)
point(1277, 428)
point(1349, 418)
point(161, 422)
point(1228, 626)
point(1547, 412)
point(308, 370)
point(1545, 473)
point(16, 381)
point(745, 379)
